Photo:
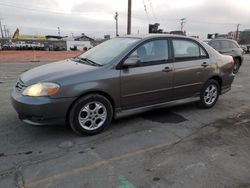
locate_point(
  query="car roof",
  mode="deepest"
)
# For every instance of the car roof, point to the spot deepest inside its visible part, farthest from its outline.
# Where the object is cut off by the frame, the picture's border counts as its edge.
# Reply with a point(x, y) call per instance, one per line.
point(219, 39)
point(149, 36)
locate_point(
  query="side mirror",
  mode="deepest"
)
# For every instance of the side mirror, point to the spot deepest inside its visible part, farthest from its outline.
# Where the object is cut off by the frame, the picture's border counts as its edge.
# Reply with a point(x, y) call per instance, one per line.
point(131, 62)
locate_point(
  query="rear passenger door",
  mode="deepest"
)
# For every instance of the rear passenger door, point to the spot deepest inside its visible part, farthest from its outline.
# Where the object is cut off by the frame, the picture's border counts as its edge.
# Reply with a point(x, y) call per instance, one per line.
point(192, 67)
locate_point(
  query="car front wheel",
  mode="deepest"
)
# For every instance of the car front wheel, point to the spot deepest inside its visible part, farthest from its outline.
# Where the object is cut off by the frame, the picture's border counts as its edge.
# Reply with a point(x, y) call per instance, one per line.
point(209, 94)
point(90, 115)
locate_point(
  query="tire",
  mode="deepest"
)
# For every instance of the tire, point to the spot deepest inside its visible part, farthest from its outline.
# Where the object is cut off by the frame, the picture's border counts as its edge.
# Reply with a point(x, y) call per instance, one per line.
point(90, 115)
point(237, 65)
point(208, 100)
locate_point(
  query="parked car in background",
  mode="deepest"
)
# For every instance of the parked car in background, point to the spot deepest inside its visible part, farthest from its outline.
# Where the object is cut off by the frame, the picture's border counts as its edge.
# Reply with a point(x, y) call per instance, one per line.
point(9, 46)
point(37, 46)
point(22, 45)
point(229, 47)
point(248, 48)
point(122, 76)
point(207, 41)
point(244, 48)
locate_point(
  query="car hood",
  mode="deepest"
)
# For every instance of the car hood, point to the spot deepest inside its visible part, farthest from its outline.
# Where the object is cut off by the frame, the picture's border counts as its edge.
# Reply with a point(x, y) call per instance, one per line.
point(54, 71)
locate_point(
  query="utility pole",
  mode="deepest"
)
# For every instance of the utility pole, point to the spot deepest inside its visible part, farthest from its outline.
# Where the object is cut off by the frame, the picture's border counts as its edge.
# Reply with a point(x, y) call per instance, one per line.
point(5, 31)
point(129, 17)
point(59, 32)
point(183, 20)
point(116, 24)
point(8, 33)
point(237, 33)
point(1, 28)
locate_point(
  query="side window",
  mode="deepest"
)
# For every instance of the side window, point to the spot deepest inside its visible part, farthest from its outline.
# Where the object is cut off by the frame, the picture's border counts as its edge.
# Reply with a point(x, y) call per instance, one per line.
point(233, 45)
point(215, 45)
point(152, 52)
point(225, 44)
point(187, 49)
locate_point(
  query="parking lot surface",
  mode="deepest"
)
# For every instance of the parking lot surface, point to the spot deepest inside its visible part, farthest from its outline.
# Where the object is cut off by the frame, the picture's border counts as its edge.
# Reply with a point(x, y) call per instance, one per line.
point(181, 146)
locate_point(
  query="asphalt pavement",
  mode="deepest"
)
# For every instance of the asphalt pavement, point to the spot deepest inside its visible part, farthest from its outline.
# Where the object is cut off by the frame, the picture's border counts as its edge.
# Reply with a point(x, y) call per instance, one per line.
point(177, 147)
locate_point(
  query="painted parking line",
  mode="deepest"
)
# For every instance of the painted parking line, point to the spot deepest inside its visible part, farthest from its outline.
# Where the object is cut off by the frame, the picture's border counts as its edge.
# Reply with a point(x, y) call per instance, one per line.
point(125, 183)
point(98, 163)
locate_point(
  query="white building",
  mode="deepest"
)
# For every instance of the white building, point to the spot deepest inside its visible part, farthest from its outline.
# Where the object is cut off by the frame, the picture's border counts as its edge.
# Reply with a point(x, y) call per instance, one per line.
point(77, 45)
point(79, 42)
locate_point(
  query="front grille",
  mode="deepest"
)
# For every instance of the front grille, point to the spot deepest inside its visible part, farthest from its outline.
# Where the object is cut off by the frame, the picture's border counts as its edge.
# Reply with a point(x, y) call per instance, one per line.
point(20, 85)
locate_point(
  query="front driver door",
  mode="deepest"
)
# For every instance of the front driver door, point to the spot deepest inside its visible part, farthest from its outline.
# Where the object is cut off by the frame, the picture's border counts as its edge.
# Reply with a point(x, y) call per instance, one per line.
point(151, 81)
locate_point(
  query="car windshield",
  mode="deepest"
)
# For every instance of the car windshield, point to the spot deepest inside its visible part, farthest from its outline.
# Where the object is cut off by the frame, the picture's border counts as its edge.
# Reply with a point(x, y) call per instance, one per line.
point(105, 52)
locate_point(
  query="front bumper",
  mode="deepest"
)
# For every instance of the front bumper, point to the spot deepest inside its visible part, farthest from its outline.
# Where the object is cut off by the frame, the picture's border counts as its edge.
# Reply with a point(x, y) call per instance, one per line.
point(40, 110)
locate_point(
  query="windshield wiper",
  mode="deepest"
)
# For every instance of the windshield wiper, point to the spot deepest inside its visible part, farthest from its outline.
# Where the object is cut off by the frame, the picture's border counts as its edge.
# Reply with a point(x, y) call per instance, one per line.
point(86, 60)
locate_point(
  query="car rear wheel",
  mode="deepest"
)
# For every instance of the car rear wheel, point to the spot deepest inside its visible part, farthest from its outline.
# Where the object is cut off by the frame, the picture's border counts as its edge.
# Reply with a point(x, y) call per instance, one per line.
point(236, 66)
point(90, 115)
point(209, 94)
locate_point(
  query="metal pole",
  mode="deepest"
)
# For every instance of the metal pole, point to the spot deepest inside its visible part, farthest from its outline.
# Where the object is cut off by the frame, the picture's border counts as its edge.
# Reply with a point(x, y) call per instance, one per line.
point(5, 31)
point(237, 33)
point(129, 17)
point(182, 23)
point(59, 32)
point(1, 28)
point(8, 33)
point(116, 22)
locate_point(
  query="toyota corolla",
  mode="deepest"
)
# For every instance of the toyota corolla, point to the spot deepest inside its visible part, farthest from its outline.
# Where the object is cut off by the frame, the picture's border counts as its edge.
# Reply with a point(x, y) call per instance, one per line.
point(122, 76)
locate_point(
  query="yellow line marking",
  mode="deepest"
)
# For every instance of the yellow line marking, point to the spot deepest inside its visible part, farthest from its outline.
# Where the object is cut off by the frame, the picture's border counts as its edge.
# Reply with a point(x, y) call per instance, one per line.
point(97, 164)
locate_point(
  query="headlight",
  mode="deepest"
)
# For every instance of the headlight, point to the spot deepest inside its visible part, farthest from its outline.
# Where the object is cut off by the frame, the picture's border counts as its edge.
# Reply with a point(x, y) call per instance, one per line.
point(41, 89)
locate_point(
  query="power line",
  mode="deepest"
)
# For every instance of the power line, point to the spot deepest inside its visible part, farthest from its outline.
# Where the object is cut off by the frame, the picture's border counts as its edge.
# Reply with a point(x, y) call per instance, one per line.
point(152, 9)
point(191, 21)
point(145, 9)
point(47, 10)
point(214, 23)
point(88, 13)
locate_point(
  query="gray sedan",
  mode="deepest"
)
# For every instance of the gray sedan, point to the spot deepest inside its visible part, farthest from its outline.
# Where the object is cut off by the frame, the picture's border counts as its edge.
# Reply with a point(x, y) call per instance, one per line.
point(229, 47)
point(122, 76)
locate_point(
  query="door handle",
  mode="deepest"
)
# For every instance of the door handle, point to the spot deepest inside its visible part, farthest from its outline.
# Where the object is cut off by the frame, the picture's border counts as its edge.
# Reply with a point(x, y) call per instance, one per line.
point(204, 64)
point(167, 69)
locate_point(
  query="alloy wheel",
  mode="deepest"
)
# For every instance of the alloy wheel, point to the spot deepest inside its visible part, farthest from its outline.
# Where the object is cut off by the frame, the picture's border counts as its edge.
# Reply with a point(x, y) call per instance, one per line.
point(210, 94)
point(92, 115)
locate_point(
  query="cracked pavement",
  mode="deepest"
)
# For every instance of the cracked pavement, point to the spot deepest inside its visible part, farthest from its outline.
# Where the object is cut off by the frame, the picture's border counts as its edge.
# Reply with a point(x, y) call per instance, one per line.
point(181, 146)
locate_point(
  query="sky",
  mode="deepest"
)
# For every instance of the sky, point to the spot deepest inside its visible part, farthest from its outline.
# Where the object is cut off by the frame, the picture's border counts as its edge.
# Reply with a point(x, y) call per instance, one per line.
point(95, 18)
